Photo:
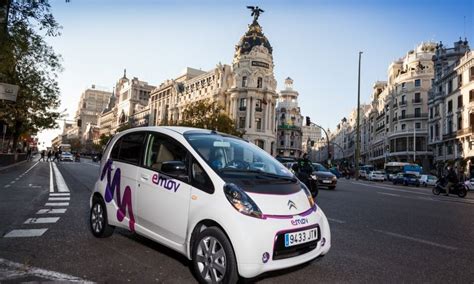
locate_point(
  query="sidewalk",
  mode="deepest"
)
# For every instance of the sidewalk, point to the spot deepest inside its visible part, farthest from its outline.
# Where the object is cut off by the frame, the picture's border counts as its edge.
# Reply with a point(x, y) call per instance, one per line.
point(14, 164)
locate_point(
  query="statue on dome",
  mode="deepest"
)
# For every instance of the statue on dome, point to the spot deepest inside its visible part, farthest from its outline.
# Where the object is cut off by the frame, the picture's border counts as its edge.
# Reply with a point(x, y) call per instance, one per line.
point(255, 12)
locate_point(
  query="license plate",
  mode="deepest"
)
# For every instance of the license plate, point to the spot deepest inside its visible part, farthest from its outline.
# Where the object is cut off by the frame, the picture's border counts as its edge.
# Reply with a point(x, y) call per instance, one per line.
point(301, 237)
point(326, 181)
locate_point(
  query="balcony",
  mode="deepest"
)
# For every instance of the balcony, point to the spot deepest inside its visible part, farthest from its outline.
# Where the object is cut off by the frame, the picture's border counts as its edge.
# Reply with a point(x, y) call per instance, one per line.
point(465, 131)
point(412, 116)
point(258, 109)
point(449, 135)
point(402, 103)
point(242, 108)
point(380, 128)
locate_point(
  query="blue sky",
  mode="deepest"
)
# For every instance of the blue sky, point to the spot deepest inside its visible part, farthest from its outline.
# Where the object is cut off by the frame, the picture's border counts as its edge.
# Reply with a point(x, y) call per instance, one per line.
point(316, 43)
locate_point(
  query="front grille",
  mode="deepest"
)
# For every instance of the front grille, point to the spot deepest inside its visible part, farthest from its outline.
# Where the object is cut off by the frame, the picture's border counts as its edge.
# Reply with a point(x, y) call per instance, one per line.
point(282, 252)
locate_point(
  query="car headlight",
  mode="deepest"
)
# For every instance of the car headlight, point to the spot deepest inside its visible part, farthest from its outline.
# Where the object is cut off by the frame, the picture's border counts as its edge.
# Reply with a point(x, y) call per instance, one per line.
point(241, 201)
point(315, 177)
point(308, 194)
point(334, 178)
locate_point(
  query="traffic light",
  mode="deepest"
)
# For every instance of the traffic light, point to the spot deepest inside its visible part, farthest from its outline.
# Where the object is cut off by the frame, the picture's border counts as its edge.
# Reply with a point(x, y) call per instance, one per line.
point(308, 121)
point(79, 123)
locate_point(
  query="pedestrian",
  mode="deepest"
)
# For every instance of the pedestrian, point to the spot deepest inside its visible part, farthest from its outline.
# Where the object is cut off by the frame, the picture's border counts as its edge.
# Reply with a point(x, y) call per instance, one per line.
point(452, 179)
point(42, 156)
point(49, 155)
point(28, 154)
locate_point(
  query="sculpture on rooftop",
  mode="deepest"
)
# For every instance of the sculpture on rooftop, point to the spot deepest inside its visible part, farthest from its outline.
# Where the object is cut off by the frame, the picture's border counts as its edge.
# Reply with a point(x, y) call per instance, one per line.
point(255, 11)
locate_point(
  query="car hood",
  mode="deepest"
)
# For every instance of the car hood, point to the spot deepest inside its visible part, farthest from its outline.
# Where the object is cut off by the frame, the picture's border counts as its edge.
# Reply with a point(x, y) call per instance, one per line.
point(321, 174)
point(280, 206)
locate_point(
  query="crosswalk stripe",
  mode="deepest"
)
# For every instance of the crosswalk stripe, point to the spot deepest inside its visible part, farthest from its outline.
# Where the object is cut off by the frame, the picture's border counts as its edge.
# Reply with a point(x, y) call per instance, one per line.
point(57, 204)
point(59, 194)
point(41, 220)
point(52, 211)
point(25, 233)
point(58, 199)
point(60, 183)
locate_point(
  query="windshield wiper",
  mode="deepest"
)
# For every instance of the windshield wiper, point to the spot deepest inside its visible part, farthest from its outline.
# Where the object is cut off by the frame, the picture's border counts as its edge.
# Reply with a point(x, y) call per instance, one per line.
point(266, 174)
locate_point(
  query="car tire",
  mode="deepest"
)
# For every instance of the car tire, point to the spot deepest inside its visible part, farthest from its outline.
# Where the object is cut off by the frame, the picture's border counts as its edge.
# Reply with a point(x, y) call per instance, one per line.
point(332, 187)
point(424, 184)
point(213, 258)
point(99, 223)
point(462, 192)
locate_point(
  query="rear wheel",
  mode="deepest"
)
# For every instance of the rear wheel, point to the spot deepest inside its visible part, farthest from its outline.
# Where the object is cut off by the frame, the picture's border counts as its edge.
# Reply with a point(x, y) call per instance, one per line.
point(436, 190)
point(99, 223)
point(462, 192)
point(213, 257)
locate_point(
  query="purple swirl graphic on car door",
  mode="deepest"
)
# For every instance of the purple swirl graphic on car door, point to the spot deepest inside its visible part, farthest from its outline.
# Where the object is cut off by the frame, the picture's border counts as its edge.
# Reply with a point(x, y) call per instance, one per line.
point(113, 185)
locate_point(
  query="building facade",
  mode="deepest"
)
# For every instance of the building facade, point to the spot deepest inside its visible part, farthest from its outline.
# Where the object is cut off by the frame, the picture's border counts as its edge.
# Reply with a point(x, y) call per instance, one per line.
point(451, 106)
point(289, 122)
point(91, 104)
point(246, 90)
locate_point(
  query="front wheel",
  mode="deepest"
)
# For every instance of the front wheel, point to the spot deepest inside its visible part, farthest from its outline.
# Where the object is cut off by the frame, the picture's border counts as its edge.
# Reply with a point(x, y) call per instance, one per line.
point(98, 220)
point(436, 190)
point(213, 257)
point(462, 192)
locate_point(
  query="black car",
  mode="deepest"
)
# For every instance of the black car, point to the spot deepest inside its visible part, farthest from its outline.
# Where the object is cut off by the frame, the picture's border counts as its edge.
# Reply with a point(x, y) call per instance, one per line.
point(406, 179)
point(324, 176)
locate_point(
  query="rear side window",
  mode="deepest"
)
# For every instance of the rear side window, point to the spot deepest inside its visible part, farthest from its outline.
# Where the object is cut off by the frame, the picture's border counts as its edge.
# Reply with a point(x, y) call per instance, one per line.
point(129, 148)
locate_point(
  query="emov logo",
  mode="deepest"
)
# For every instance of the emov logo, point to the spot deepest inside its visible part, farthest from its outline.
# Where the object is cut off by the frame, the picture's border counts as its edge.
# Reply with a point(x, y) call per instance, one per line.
point(301, 221)
point(113, 185)
point(165, 182)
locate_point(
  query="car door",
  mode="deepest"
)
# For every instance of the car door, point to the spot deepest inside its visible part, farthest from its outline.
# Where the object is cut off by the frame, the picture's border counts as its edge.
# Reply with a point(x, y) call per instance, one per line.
point(163, 200)
point(120, 174)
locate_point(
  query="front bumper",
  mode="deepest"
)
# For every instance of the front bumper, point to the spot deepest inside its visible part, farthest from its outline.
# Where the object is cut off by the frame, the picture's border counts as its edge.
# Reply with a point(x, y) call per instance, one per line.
point(249, 249)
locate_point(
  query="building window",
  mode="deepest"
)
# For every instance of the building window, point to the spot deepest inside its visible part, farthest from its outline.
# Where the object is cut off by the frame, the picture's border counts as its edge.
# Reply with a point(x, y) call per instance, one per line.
point(258, 121)
point(259, 82)
point(258, 105)
point(292, 143)
point(241, 122)
point(431, 133)
point(450, 86)
point(403, 126)
point(243, 104)
point(417, 98)
point(417, 112)
point(460, 101)
point(440, 150)
point(471, 96)
point(417, 82)
point(437, 130)
point(450, 148)
point(471, 74)
point(244, 81)
point(459, 122)
point(431, 112)
point(403, 114)
point(403, 85)
point(450, 106)
point(260, 143)
point(282, 143)
point(459, 80)
point(418, 125)
point(403, 100)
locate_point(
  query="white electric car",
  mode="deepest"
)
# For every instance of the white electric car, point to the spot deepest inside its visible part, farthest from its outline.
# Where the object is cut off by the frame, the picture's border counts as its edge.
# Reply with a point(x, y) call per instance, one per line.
point(224, 203)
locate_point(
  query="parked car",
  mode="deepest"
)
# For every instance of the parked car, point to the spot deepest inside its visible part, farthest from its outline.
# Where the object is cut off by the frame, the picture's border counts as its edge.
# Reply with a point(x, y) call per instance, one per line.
point(66, 156)
point(376, 176)
point(426, 180)
point(469, 184)
point(324, 176)
point(194, 191)
point(406, 179)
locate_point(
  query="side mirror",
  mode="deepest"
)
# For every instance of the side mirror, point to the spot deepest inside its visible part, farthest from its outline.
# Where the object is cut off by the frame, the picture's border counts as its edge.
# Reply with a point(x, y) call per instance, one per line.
point(176, 169)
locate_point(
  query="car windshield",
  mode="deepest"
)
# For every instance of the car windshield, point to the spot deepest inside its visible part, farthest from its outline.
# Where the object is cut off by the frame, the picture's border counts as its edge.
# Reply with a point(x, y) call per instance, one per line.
point(319, 168)
point(66, 153)
point(227, 154)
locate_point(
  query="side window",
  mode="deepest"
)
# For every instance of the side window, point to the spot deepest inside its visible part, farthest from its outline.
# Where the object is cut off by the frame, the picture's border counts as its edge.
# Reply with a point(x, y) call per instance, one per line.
point(115, 151)
point(200, 179)
point(163, 149)
point(131, 146)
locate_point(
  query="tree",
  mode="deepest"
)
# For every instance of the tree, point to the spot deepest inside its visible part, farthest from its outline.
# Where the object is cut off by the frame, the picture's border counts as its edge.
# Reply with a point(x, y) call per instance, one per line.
point(103, 139)
point(76, 144)
point(209, 115)
point(29, 62)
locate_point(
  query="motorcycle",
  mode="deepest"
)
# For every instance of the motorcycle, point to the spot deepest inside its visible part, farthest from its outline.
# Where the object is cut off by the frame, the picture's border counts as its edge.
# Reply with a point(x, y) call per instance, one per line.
point(458, 188)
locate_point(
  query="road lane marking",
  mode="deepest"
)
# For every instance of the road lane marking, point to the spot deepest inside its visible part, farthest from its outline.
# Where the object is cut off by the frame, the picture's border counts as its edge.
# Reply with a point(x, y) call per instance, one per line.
point(416, 240)
point(336, 221)
point(57, 204)
point(25, 233)
point(91, 164)
point(52, 211)
point(59, 194)
point(390, 194)
point(51, 182)
point(58, 199)
point(61, 184)
point(12, 271)
point(6, 186)
point(393, 189)
point(45, 220)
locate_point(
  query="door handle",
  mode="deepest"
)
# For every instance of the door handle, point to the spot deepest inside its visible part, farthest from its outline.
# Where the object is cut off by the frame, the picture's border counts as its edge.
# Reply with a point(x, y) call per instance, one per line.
point(145, 177)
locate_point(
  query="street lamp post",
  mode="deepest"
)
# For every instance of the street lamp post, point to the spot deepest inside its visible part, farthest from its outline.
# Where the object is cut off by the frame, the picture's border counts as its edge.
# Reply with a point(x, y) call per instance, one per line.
point(357, 153)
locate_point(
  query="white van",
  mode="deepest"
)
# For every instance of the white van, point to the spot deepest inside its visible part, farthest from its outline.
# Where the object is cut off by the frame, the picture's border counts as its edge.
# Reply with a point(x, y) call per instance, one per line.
point(224, 203)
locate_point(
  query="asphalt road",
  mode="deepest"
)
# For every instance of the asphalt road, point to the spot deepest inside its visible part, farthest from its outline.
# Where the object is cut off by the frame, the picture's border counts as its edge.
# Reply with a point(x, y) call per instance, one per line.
point(380, 233)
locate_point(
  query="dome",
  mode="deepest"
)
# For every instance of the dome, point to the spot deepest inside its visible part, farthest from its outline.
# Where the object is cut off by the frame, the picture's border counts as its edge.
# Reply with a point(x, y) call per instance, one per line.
point(253, 37)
